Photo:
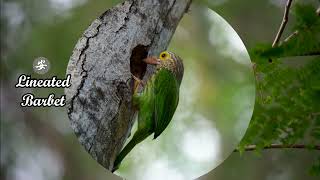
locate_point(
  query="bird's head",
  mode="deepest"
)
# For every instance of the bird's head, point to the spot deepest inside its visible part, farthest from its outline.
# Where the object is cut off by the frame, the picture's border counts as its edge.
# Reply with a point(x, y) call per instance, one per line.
point(173, 63)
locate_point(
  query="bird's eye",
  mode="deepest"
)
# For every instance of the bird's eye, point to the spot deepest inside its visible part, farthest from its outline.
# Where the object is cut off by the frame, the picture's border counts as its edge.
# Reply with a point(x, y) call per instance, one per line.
point(164, 56)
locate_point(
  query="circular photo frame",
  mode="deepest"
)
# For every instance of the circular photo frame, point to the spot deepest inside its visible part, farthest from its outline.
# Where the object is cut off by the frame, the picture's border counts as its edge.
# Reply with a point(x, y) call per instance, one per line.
point(167, 96)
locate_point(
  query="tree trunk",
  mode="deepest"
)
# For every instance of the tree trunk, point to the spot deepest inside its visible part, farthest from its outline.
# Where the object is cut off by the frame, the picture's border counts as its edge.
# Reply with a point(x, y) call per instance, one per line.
point(99, 100)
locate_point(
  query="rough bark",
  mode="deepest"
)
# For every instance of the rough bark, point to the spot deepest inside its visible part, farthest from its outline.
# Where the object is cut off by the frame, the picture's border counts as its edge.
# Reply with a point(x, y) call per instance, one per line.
point(99, 100)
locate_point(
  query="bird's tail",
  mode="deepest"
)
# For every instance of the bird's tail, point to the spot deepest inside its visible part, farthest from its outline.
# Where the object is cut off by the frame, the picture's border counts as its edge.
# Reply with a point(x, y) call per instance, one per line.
point(136, 139)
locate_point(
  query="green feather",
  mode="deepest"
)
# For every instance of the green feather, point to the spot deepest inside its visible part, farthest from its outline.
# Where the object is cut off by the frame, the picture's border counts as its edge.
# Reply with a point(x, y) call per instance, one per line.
point(166, 99)
point(156, 104)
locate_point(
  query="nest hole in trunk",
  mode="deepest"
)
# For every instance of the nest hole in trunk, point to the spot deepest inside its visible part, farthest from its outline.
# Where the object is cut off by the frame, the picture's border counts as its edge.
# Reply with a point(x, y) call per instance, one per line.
point(137, 66)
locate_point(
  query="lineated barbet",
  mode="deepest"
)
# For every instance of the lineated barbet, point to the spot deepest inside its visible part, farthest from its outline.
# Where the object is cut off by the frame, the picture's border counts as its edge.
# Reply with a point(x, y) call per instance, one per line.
point(157, 102)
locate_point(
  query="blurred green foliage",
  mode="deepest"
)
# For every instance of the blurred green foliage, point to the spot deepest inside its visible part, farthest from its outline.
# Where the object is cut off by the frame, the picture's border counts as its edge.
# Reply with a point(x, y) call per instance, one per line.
point(287, 106)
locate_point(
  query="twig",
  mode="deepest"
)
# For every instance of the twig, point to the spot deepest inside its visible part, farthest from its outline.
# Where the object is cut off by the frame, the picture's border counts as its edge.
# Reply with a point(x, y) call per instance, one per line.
point(296, 32)
point(283, 24)
point(291, 36)
point(281, 146)
point(313, 53)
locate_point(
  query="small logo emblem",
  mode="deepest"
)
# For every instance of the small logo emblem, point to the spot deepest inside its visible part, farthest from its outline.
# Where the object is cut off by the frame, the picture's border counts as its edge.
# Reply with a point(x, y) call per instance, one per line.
point(41, 65)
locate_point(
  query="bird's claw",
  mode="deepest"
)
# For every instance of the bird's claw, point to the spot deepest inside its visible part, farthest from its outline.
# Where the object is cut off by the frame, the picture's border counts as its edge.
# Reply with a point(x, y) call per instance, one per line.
point(136, 83)
point(138, 80)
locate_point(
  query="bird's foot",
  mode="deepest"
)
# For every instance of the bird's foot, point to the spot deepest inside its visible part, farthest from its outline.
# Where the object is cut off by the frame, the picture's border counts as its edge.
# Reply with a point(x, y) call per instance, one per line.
point(136, 83)
point(138, 80)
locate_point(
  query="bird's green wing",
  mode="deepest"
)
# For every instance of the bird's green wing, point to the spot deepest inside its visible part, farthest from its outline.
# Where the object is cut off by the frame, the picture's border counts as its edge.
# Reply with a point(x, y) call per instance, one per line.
point(166, 91)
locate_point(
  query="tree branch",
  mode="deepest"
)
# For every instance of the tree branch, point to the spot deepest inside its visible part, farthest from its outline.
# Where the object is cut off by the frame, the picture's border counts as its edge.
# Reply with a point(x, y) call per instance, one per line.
point(283, 23)
point(296, 34)
point(312, 53)
point(281, 146)
point(100, 98)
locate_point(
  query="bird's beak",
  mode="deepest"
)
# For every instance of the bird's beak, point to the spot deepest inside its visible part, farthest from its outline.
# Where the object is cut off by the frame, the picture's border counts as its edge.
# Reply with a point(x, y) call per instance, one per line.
point(152, 60)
